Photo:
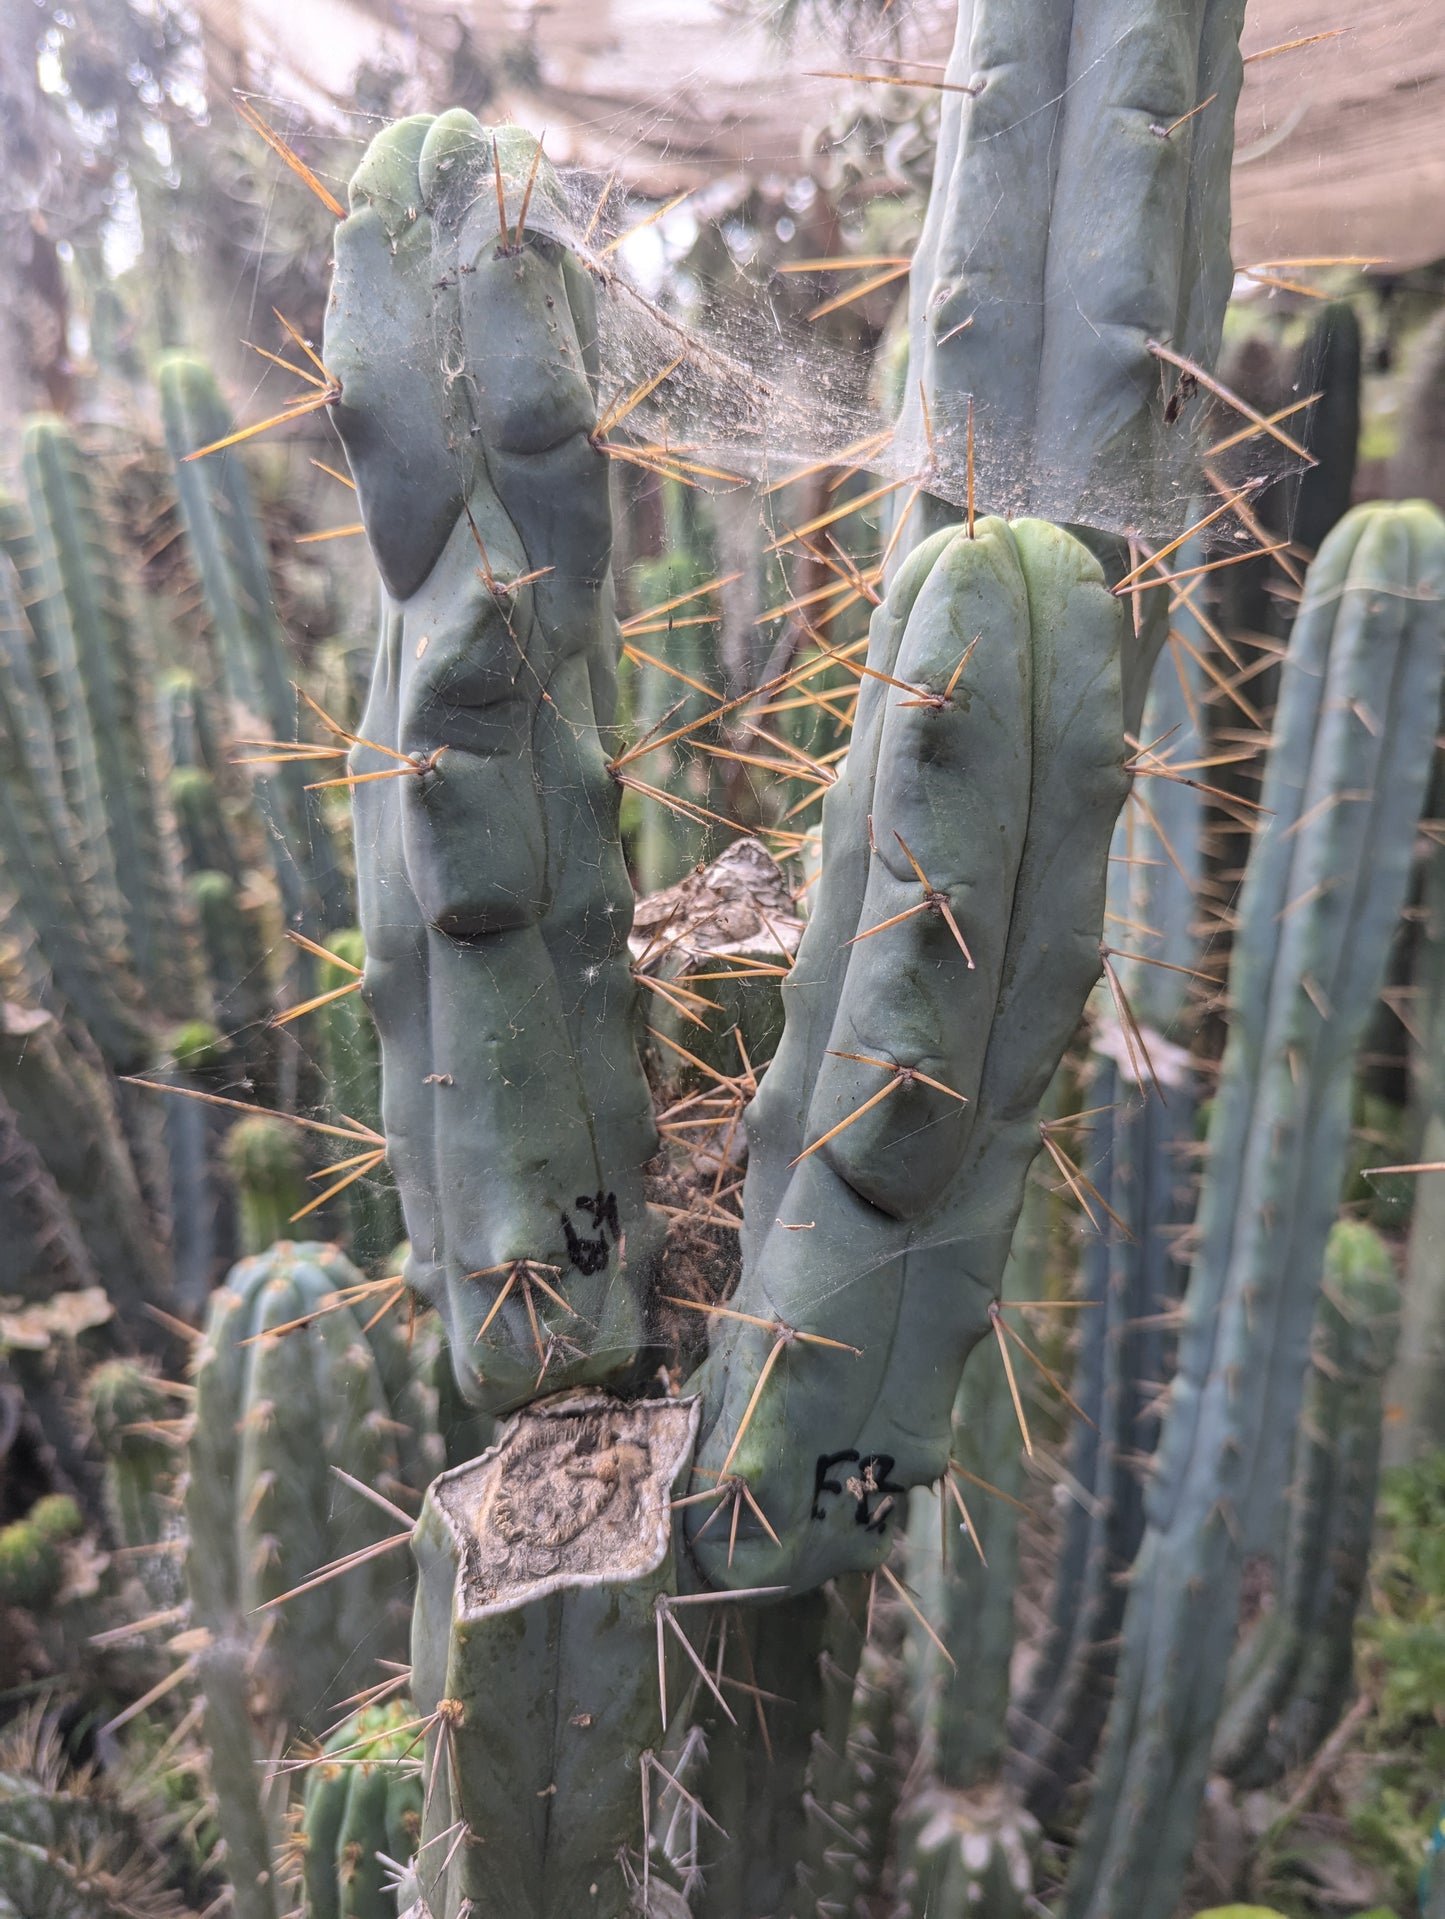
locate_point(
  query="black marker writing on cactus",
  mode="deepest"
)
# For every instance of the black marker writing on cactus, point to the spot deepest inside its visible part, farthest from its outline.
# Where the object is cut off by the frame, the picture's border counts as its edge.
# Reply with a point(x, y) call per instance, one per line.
point(590, 1255)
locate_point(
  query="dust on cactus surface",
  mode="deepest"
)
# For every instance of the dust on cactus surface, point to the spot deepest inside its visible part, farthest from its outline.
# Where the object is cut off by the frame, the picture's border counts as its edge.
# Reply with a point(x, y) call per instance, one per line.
point(721, 968)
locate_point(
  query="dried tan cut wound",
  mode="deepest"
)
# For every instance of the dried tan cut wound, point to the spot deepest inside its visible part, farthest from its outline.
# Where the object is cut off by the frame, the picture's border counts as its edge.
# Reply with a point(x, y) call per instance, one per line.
point(576, 1492)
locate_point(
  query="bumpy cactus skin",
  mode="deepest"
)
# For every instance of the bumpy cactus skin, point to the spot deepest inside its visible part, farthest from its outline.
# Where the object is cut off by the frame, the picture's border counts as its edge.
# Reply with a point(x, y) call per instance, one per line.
point(1117, 234)
point(892, 1237)
point(1354, 733)
point(365, 1800)
point(1290, 1681)
point(493, 895)
point(265, 1512)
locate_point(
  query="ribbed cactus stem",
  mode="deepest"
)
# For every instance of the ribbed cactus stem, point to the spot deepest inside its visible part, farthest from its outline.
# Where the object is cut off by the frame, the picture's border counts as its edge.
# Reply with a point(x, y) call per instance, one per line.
point(1141, 1159)
point(41, 863)
point(351, 1061)
point(1084, 123)
point(275, 1411)
point(114, 672)
point(1291, 1679)
point(363, 1807)
point(126, 1398)
point(890, 1139)
point(66, 1106)
point(266, 1166)
point(1353, 739)
point(230, 556)
point(515, 1107)
point(53, 648)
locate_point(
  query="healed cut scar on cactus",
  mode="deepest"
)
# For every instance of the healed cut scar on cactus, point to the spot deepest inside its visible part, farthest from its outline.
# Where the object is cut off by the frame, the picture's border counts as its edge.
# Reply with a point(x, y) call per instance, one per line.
point(494, 898)
point(901, 1113)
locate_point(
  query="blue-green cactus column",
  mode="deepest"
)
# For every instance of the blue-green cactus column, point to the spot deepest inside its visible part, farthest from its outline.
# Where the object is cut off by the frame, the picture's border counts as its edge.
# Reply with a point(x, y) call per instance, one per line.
point(936, 1013)
point(1079, 213)
point(1354, 735)
point(494, 899)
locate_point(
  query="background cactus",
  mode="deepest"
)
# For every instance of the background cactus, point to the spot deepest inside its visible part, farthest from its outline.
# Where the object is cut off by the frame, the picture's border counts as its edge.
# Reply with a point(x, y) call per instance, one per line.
point(230, 556)
point(275, 1411)
point(1325, 885)
point(1046, 324)
point(1141, 1098)
point(1290, 1681)
point(113, 668)
point(363, 1807)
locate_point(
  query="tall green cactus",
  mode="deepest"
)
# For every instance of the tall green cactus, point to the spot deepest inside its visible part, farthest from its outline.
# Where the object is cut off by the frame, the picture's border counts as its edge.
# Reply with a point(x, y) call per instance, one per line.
point(47, 636)
point(1107, 133)
point(230, 557)
point(890, 1231)
point(500, 988)
point(1141, 1161)
point(114, 671)
point(965, 1838)
point(68, 1110)
point(1420, 1362)
point(1290, 1681)
point(41, 862)
point(275, 1412)
point(1354, 733)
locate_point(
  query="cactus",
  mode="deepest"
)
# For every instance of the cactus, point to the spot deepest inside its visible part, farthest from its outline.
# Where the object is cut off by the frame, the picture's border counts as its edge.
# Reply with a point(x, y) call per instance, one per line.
point(536, 1654)
point(113, 672)
point(40, 856)
point(1289, 1682)
point(1353, 737)
point(127, 1401)
point(351, 1062)
point(68, 1110)
point(47, 637)
point(907, 1210)
point(265, 1164)
point(965, 1838)
point(1117, 240)
point(551, 1100)
point(1329, 364)
point(1414, 1383)
point(1141, 1161)
point(274, 1413)
point(45, 1252)
point(72, 1847)
point(230, 557)
point(31, 1565)
point(363, 1800)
